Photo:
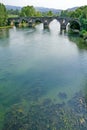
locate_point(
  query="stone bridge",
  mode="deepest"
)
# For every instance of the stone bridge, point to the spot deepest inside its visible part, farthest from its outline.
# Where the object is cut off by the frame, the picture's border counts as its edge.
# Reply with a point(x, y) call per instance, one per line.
point(74, 23)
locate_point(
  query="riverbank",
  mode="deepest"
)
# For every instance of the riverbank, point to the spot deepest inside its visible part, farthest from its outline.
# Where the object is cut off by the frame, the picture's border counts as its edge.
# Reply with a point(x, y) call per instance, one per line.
point(81, 34)
point(5, 27)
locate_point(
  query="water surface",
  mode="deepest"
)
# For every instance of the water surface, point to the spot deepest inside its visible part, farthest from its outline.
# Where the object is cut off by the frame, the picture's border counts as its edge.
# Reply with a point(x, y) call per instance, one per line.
point(37, 64)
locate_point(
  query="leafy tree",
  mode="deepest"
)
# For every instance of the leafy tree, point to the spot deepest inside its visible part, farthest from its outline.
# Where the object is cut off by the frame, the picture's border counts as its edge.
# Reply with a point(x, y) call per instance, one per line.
point(80, 13)
point(29, 11)
point(3, 14)
point(44, 14)
point(38, 14)
point(64, 13)
point(50, 13)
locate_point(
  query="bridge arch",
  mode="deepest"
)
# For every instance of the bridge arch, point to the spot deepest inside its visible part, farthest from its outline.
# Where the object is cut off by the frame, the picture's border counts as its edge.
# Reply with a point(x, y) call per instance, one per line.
point(38, 20)
point(75, 24)
point(24, 20)
point(57, 23)
point(52, 20)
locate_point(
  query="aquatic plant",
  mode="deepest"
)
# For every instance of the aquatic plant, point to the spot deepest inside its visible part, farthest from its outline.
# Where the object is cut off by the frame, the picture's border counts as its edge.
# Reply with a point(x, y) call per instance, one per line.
point(47, 115)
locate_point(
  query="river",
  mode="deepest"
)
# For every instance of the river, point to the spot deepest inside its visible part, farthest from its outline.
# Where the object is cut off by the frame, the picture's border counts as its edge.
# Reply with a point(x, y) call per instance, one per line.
point(42, 68)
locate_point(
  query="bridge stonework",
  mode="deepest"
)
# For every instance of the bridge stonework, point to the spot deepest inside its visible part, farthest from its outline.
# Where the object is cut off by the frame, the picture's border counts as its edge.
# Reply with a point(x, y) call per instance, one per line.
point(45, 20)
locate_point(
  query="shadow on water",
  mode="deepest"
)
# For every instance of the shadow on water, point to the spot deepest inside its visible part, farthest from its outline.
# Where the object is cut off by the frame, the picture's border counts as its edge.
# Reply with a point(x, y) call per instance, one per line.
point(81, 44)
point(46, 32)
point(85, 90)
point(4, 34)
point(62, 32)
point(26, 30)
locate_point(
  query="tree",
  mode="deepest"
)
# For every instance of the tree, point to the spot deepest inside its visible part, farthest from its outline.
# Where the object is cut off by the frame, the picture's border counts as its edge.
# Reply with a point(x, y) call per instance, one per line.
point(38, 14)
point(64, 13)
point(28, 11)
point(50, 13)
point(3, 15)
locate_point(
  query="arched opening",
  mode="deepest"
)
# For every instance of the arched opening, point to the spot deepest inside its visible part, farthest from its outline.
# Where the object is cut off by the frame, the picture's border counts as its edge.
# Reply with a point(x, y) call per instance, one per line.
point(75, 25)
point(23, 23)
point(54, 25)
point(16, 23)
point(38, 21)
point(8, 22)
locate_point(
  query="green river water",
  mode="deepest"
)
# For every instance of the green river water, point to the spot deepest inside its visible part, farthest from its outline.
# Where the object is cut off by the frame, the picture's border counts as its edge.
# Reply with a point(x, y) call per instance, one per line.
point(43, 80)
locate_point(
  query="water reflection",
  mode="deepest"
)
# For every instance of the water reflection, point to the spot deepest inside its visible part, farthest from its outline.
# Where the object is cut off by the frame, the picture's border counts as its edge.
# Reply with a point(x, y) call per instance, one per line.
point(78, 41)
point(47, 30)
point(4, 37)
point(62, 32)
point(4, 33)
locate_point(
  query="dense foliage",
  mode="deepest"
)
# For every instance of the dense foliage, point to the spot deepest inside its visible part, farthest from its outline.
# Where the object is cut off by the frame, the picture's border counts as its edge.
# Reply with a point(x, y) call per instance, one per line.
point(80, 13)
point(3, 15)
point(29, 11)
point(48, 13)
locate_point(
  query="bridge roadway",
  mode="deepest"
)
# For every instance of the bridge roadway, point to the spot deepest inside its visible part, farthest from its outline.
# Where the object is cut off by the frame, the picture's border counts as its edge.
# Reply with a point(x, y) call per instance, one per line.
point(45, 20)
